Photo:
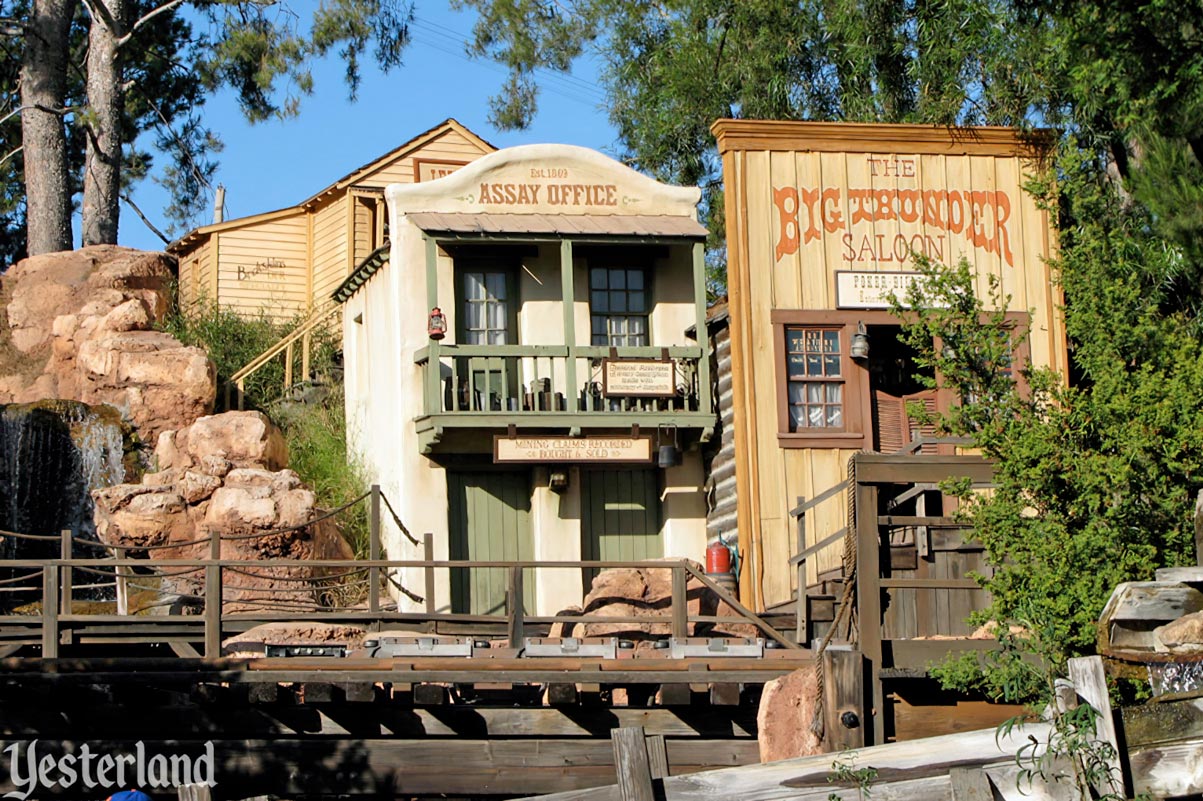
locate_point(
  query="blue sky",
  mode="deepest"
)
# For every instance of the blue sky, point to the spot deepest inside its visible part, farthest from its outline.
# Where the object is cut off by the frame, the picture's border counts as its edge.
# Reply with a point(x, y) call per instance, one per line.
point(276, 164)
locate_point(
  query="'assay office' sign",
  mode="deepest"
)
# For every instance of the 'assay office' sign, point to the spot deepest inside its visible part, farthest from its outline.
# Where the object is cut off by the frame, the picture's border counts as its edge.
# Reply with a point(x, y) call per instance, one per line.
point(919, 220)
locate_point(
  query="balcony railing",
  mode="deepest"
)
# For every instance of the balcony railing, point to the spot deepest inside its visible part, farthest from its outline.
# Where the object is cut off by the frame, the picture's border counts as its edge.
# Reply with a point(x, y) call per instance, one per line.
point(495, 385)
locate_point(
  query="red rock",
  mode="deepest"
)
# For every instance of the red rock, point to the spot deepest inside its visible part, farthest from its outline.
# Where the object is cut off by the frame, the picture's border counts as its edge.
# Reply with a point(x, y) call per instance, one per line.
point(1181, 636)
point(91, 314)
point(787, 710)
point(197, 494)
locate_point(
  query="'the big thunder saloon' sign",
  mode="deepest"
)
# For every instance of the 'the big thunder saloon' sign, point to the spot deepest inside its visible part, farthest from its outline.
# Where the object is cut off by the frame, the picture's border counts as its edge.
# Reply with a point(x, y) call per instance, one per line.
point(893, 213)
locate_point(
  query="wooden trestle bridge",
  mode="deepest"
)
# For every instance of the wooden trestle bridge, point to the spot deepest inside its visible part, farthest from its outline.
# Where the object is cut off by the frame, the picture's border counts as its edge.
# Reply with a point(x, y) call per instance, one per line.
point(472, 706)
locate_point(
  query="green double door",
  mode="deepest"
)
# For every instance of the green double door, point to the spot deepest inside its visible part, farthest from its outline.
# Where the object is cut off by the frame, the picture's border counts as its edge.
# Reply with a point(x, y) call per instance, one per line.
point(489, 520)
point(620, 516)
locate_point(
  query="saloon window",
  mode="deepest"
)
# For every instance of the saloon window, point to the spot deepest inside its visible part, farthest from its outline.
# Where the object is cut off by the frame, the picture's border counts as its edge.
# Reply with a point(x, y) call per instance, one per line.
point(815, 376)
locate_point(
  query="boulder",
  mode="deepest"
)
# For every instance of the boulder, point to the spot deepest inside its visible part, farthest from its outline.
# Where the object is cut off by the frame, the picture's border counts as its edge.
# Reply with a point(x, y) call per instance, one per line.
point(218, 444)
point(1182, 636)
point(88, 317)
point(647, 592)
point(787, 710)
point(251, 642)
point(222, 477)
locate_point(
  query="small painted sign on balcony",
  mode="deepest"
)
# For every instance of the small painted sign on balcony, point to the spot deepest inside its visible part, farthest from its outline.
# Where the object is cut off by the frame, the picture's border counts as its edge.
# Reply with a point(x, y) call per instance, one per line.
point(578, 450)
point(638, 378)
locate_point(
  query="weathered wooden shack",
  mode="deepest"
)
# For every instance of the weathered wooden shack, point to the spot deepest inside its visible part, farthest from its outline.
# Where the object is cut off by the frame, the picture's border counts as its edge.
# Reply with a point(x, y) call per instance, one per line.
point(286, 262)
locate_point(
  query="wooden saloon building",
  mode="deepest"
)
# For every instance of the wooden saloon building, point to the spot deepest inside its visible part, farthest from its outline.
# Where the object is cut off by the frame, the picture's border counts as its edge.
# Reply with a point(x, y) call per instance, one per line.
point(519, 376)
point(823, 220)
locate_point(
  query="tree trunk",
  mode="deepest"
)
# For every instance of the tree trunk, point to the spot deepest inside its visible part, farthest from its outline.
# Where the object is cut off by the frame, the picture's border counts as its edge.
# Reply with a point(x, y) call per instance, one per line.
point(102, 166)
point(43, 94)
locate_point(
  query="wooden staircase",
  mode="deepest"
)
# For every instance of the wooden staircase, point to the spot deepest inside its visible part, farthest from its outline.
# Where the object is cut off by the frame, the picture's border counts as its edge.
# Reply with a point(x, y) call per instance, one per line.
point(303, 333)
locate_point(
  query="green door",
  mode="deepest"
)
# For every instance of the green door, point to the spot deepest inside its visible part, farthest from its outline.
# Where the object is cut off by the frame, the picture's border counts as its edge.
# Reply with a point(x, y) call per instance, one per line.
point(489, 521)
point(621, 516)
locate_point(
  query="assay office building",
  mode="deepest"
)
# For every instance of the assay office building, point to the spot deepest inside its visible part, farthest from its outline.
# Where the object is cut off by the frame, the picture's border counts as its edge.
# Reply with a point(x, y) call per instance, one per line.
point(524, 419)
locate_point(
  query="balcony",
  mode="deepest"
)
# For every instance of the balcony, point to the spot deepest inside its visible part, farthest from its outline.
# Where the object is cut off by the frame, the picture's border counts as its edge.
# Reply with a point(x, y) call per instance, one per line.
point(557, 388)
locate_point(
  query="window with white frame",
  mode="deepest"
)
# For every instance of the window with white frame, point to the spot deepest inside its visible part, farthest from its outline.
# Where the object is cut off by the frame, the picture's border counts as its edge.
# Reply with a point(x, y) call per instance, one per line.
point(618, 300)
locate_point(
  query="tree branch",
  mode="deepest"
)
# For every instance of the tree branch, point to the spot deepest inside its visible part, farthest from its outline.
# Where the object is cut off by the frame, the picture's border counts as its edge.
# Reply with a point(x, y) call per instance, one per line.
point(10, 154)
point(142, 216)
point(99, 10)
point(141, 23)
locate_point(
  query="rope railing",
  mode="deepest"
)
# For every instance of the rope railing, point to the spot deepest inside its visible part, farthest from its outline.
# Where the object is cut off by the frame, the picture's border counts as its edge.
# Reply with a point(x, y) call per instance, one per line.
point(397, 520)
point(39, 537)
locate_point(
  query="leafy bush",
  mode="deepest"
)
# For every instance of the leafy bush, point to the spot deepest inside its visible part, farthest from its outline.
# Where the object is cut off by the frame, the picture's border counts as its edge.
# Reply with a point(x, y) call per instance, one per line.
point(1095, 479)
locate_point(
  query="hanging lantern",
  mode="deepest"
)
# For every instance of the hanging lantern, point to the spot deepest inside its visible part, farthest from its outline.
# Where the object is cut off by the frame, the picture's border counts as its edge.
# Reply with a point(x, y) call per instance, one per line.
point(670, 452)
point(437, 327)
point(860, 343)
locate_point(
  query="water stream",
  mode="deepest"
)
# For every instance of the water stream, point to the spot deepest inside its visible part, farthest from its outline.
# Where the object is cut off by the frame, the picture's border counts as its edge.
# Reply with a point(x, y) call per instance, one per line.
point(52, 454)
point(1176, 677)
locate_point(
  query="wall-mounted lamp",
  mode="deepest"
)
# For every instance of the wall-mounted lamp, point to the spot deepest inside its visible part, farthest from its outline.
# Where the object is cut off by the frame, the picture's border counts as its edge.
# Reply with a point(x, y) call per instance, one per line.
point(437, 327)
point(358, 318)
point(557, 481)
point(860, 343)
point(669, 454)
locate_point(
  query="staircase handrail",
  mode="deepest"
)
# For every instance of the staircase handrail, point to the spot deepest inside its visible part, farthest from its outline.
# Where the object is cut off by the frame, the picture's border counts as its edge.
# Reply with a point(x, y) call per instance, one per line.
point(301, 332)
point(319, 315)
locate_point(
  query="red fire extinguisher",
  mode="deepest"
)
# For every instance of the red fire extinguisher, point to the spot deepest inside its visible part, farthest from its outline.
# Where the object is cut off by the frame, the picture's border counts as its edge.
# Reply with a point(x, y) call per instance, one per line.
point(718, 558)
point(437, 327)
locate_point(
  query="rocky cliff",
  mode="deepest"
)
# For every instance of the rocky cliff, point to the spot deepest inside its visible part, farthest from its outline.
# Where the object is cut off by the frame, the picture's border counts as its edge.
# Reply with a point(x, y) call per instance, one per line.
point(80, 326)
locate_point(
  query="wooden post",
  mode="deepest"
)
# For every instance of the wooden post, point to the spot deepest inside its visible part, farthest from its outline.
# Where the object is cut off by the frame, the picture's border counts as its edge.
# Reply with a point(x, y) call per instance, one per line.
point(213, 598)
point(66, 574)
point(1086, 673)
point(705, 400)
point(680, 604)
point(122, 584)
point(572, 390)
point(305, 347)
point(374, 549)
point(50, 622)
point(868, 605)
point(632, 765)
point(843, 699)
point(657, 756)
point(428, 571)
point(970, 784)
point(193, 792)
point(1199, 529)
point(513, 607)
point(288, 366)
point(800, 627)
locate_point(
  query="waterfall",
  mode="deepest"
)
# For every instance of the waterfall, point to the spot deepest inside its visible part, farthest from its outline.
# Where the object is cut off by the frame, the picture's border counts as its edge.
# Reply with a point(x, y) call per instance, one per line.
point(52, 455)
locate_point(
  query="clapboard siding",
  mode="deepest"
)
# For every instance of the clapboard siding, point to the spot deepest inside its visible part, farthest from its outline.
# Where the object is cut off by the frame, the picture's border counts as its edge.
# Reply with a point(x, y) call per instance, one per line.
point(264, 268)
point(779, 263)
point(451, 146)
point(329, 249)
point(365, 224)
point(317, 242)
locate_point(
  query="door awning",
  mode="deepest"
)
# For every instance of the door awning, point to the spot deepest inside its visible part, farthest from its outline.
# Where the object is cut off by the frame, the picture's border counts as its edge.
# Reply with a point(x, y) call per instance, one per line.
point(567, 225)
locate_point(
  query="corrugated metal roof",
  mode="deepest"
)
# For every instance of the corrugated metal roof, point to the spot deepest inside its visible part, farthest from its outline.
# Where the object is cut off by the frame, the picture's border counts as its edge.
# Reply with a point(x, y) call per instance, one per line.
point(559, 224)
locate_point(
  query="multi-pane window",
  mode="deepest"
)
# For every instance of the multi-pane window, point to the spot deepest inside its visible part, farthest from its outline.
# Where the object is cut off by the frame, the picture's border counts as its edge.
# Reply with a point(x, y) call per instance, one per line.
point(618, 304)
point(815, 378)
point(486, 315)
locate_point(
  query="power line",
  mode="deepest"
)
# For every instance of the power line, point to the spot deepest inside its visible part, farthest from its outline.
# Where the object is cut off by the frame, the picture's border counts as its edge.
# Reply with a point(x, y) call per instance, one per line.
point(564, 84)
